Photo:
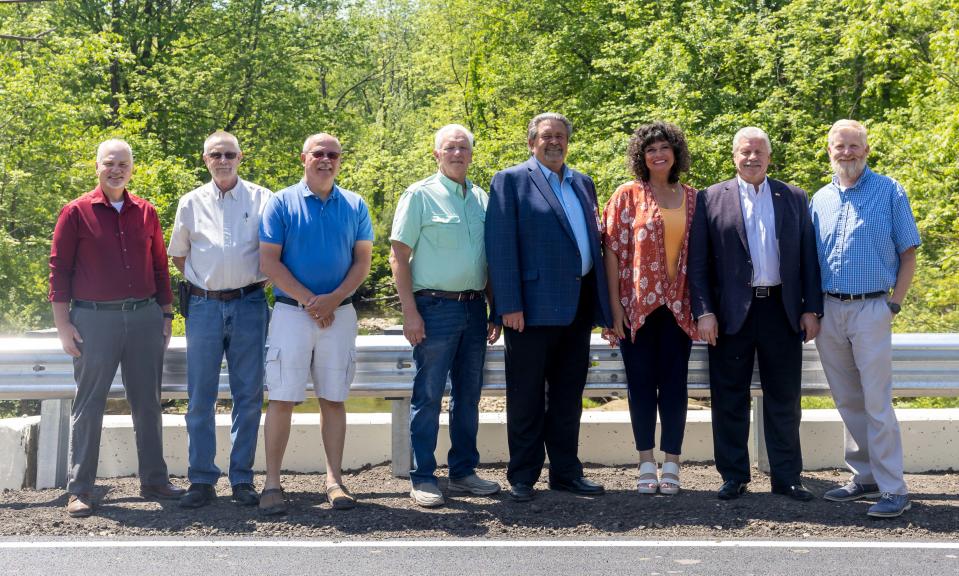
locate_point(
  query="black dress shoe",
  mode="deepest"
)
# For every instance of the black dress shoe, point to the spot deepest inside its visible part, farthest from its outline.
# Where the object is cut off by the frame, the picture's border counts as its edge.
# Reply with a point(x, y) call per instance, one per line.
point(245, 495)
point(521, 492)
point(198, 495)
point(166, 491)
point(795, 491)
point(730, 490)
point(580, 486)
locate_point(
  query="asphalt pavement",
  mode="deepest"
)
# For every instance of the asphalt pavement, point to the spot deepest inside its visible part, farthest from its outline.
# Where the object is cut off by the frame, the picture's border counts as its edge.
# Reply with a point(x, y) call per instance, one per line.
point(475, 557)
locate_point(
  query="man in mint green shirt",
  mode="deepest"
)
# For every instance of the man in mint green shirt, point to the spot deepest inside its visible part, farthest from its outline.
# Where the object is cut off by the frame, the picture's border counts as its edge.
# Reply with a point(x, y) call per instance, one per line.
point(438, 259)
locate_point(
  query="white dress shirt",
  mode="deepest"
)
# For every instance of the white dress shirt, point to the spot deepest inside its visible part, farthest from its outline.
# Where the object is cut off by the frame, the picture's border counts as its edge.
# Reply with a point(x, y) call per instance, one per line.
point(759, 219)
point(218, 233)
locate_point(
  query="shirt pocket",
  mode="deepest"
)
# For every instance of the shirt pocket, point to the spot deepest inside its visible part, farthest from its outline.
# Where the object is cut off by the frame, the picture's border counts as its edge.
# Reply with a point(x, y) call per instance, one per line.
point(441, 230)
point(477, 223)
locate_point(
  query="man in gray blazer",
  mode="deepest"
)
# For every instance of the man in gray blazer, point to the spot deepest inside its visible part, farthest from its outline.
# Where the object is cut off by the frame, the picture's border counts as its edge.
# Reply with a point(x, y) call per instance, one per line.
point(754, 285)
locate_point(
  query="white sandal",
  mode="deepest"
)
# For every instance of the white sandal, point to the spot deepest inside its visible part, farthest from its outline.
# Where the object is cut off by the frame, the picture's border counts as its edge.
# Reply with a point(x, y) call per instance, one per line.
point(647, 485)
point(669, 486)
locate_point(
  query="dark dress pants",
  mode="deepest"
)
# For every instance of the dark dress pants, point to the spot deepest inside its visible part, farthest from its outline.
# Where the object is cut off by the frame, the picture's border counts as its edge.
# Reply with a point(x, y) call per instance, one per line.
point(767, 335)
point(657, 364)
point(132, 340)
point(545, 375)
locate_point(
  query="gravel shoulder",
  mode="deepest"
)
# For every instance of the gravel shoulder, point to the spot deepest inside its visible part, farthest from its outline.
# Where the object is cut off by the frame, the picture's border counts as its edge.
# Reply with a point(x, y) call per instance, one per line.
point(386, 512)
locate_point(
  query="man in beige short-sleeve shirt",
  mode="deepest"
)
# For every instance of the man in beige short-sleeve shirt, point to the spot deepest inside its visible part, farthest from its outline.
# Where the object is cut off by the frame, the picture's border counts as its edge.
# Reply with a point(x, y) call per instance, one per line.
point(215, 244)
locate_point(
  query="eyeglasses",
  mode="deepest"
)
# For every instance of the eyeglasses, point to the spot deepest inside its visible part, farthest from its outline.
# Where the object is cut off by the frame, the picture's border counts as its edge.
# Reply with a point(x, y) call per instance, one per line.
point(324, 154)
point(218, 155)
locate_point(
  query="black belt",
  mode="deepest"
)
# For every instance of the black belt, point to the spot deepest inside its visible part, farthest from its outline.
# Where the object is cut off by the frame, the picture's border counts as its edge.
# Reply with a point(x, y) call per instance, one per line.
point(464, 296)
point(292, 302)
point(766, 291)
point(126, 305)
point(847, 297)
point(226, 294)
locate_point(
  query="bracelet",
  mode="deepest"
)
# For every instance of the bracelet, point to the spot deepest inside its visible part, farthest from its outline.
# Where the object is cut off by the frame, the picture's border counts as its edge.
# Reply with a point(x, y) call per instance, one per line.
point(168, 315)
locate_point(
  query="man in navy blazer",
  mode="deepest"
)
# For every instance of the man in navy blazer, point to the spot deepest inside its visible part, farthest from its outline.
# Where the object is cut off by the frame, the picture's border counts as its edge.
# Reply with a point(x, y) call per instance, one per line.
point(545, 263)
point(754, 284)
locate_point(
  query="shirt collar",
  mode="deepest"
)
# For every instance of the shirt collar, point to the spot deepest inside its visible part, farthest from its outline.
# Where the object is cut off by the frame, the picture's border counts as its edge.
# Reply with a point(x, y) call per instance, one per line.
point(305, 190)
point(232, 191)
point(547, 172)
point(866, 173)
point(452, 186)
point(746, 186)
point(100, 197)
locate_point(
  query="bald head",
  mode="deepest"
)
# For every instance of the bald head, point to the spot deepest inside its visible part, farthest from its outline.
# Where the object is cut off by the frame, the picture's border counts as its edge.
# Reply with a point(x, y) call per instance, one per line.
point(316, 139)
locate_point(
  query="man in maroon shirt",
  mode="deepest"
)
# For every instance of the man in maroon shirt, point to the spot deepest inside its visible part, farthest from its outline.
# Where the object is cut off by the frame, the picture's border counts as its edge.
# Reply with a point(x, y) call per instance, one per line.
point(108, 258)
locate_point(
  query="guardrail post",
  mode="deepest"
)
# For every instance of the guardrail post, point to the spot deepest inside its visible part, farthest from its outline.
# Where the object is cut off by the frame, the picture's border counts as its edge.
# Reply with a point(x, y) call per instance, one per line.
point(759, 429)
point(402, 453)
point(53, 443)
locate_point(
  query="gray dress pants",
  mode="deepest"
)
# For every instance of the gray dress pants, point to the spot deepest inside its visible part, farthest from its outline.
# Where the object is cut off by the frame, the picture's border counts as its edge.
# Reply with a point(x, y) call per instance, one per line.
point(132, 340)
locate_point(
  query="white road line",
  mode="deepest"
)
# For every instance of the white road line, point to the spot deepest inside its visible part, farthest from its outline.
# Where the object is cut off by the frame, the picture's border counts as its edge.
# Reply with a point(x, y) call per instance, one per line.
point(794, 544)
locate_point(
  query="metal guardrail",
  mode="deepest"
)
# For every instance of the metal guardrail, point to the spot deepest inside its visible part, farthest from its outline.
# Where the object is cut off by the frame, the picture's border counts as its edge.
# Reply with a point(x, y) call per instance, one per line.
point(38, 369)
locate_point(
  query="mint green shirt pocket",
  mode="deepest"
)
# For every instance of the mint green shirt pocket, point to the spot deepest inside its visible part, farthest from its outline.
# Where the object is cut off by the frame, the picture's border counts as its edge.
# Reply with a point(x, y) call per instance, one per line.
point(442, 230)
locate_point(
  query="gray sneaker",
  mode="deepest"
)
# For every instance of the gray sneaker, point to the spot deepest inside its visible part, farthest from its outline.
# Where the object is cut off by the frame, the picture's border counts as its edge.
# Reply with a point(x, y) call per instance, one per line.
point(474, 485)
point(427, 495)
point(852, 491)
point(890, 505)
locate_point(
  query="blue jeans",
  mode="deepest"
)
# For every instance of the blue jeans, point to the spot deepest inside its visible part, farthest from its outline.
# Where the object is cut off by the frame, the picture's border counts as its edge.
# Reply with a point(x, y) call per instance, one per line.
point(238, 328)
point(455, 346)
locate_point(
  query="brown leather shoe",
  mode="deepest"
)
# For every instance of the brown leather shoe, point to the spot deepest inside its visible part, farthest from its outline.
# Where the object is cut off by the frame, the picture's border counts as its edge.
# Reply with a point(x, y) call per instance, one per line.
point(161, 491)
point(80, 506)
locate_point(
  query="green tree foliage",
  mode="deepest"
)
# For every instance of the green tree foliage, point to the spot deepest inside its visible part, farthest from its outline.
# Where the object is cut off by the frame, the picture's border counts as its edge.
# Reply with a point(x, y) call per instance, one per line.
point(383, 75)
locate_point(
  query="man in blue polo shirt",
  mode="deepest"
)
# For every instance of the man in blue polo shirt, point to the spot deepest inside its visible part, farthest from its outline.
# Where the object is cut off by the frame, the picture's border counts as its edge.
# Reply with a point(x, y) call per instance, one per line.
point(866, 237)
point(316, 244)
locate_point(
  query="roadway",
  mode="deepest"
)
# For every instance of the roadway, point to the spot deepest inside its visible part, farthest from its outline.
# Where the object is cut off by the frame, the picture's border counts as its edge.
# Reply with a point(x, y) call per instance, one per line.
point(91, 557)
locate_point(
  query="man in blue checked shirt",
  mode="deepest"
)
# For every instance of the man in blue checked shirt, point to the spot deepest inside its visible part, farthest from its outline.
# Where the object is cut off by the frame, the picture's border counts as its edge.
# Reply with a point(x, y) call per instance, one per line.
point(866, 237)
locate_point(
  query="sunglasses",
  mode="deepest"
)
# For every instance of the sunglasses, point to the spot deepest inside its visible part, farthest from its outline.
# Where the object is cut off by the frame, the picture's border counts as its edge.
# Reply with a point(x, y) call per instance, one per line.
point(324, 154)
point(218, 155)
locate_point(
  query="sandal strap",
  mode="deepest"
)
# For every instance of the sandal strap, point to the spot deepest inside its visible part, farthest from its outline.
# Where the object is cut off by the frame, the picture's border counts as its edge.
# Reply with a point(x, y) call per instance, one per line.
point(671, 468)
point(670, 481)
point(648, 468)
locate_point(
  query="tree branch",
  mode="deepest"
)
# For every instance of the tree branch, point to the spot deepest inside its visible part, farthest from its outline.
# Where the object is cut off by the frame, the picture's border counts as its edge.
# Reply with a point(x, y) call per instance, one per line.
point(36, 38)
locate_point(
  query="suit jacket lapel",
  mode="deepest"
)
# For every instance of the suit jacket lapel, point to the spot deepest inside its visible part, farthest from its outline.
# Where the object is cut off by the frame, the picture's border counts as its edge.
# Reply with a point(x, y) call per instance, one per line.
point(779, 204)
point(547, 191)
point(736, 202)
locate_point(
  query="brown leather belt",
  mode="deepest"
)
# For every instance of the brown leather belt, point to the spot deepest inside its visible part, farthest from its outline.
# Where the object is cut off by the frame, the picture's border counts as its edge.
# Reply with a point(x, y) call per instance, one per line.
point(464, 296)
point(226, 294)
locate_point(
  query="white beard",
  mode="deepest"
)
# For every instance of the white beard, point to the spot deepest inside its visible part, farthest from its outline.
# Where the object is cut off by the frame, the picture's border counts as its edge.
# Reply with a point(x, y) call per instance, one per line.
point(849, 170)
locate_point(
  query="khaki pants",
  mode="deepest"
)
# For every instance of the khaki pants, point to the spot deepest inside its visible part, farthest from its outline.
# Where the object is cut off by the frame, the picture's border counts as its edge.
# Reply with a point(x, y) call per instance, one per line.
point(855, 347)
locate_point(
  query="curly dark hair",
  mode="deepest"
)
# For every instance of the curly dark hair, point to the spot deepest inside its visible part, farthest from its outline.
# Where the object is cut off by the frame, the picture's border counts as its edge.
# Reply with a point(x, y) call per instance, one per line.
point(647, 134)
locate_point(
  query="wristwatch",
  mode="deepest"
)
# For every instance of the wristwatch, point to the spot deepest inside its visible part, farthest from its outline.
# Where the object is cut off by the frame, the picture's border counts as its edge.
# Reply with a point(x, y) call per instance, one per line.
point(895, 308)
point(168, 315)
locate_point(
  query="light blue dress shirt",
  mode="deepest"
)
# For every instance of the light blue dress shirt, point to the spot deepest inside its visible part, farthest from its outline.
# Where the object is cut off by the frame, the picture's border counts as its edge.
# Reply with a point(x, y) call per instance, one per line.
point(759, 218)
point(860, 232)
point(574, 211)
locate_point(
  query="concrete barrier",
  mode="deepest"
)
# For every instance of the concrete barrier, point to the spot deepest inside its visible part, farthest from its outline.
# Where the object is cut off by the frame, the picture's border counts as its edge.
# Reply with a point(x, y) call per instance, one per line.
point(930, 439)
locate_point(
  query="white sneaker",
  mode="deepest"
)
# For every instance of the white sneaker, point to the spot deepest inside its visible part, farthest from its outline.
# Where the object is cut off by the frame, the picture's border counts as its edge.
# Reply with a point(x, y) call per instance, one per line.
point(427, 495)
point(474, 485)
